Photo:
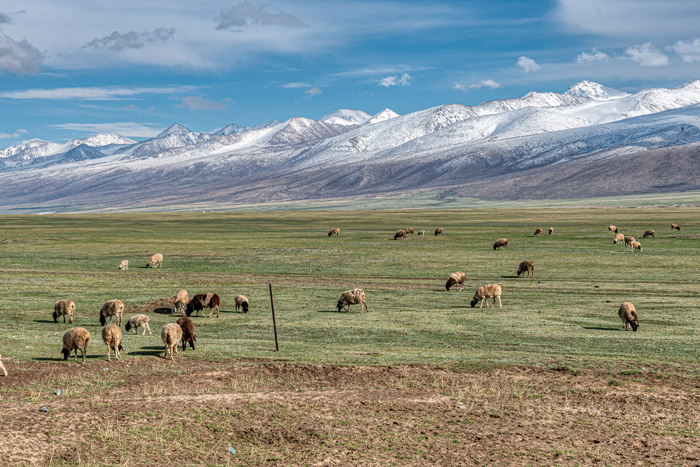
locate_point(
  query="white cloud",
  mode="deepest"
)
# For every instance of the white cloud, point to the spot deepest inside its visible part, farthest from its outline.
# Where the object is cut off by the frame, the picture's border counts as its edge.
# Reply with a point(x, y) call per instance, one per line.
point(296, 85)
point(19, 57)
point(132, 129)
point(528, 64)
point(403, 80)
point(89, 94)
point(244, 14)
point(16, 134)
point(486, 83)
point(199, 103)
point(131, 40)
point(595, 56)
point(313, 92)
point(689, 51)
point(647, 55)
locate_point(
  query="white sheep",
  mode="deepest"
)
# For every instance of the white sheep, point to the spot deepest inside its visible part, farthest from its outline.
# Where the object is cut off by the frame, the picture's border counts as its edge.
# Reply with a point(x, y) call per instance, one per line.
point(242, 302)
point(63, 308)
point(181, 300)
point(75, 339)
point(2, 367)
point(456, 278)
point(628, 315)
point(171, 334)
point(112, 337)
point(485, 292)
point(155, 260)
point(112, 308)
point(635, 246)
point(136, 321)
point(612, 228)
point(629, 239)
point(352, 297)
point(124, 264)
point(619, 238)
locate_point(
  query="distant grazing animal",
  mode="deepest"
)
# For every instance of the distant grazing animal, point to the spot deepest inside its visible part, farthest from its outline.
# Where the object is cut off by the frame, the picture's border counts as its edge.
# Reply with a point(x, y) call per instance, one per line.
point(635, 246)
point(188, 335)
point(439, 231)
point(538, 231)
point(171, 334)
point(352, 297)
point(628, 315)
point(675, 226)
point(335, 231)
point(201, 300)
point(619, 238)
point(501, 243)
point(75, 339)
point(154, 261)
point(409, 230)
point(526, 267)
point(551, 230)
point(136, 321)
point(628, 239)
point(400, 234)
point(181, 300)
point(456, 278)
point(2, 367)
point(648, 233)
point(612, 228)
point(111, 308)
point(421, 232)
point(241, 302)
point(63, 308)
point(485, 292)
point(124, 264)
point(112, 337)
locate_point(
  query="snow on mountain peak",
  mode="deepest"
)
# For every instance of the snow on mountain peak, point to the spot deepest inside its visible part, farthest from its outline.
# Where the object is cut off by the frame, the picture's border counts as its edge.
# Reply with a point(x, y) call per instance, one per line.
point(346, 117)
point(173, 129)
point(594, 91)
point(386, 114)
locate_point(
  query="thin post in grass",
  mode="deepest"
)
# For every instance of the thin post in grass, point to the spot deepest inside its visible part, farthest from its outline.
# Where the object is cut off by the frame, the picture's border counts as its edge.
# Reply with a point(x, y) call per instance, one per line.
point(274, 321)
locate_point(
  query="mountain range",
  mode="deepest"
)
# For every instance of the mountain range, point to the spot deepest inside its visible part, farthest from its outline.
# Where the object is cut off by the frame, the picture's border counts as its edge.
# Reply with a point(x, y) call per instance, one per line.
point(591, 140)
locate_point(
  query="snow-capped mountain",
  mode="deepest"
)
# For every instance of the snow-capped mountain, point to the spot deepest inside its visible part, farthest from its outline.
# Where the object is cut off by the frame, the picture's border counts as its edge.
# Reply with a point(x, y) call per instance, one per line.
point(351, 152)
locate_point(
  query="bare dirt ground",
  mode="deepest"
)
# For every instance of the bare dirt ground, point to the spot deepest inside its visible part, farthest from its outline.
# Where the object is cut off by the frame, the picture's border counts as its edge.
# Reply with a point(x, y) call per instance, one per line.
point(185, 412)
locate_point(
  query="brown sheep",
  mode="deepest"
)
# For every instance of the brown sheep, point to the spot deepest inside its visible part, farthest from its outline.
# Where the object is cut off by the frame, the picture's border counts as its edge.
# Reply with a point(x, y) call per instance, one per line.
point(242, 302)
point(439, 231)
point(675, 226)
point(136, 321)
point(501, 243)
point(485, 292)
point(648, 233)
point(400, 234)
point(551, 230)
point(421, 232)
point(111, 308)
point(112, 337)
point(154, 261)
point(352, 297)
point(201, 300)
point(170, 334)
point(335, 231)
point(188, 334)
point(612, 228)
point(2, 367)
point(526, 266)
point(409, 230)
point(456, 278)
point(181, 300)
point(628, 315)
point(619, 238)
point(75, 339)
point(63, 308)
point(538, 231)
point(635, 246)
point(628, 239)
point(124, 265)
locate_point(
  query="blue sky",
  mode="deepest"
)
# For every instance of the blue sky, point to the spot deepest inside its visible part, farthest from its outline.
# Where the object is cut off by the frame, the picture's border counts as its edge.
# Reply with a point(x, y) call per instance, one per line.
point(74, 69)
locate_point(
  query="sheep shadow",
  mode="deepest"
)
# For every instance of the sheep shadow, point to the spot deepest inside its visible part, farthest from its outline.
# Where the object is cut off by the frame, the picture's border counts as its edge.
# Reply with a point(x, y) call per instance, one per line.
point(163, 311)
point(70, 359)
point(47, 321)
point(148, 351)
point(595, 328)
point(335, 311)
point(511, 277)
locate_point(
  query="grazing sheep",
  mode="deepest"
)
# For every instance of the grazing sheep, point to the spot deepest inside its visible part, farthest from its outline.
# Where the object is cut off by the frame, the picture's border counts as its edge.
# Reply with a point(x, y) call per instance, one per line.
point(2, 367)
point(111, 308)
point(538, 231)
point(551, 230)
point(180, 303)
point(335, 231)
point(628, 240)
point(409, 230)
point(439, 231)
point(63, 308)
point(75, 339)
point(171, 334)
point(421, 232)
point(136, 321)
point(112, 337)
point(485, 292)
point(124, 264)
point(242, 302)
point(675, 226)
point(201, 300)
point(648, 233)
point(154, 261)
point(619, 238)
point(526, 266)
point(612, 228)
point(456, 278)
point(628, 315)
point(501, 243)
point(352, 297)
point(188, 335)
point(400, 234)
point(635, 246)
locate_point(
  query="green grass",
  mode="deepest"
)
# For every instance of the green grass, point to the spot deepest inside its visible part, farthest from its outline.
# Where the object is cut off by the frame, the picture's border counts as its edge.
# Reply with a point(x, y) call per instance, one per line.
point(565, 317)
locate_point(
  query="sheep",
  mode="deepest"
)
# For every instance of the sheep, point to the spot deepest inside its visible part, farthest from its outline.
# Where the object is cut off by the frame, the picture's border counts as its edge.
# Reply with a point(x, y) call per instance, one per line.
point(112, 337)
point(124, 265)
point(501, 243)
point(439, 231)
point(171, 334)
point(188, 335)
point(136, 321)
point(409, 230)
point(648, 233)
point(111, 308)
point(2, 367)
point(485, 292)
point(75, 339)
point(675, 226)
point(180, 303)
point(456, 278)
point(612, 228)
point(335, 231)
point(400, 234)
point(619, 238)
point(352, 297)
point(628, 315)
point(63, 308)
point(538, 231)
point(526, 266)
point(201, 300)
point(628, 239)
point(154, 261)
point(421, 232)
point(242, 302)
point(635, 246)
point(551, 230)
